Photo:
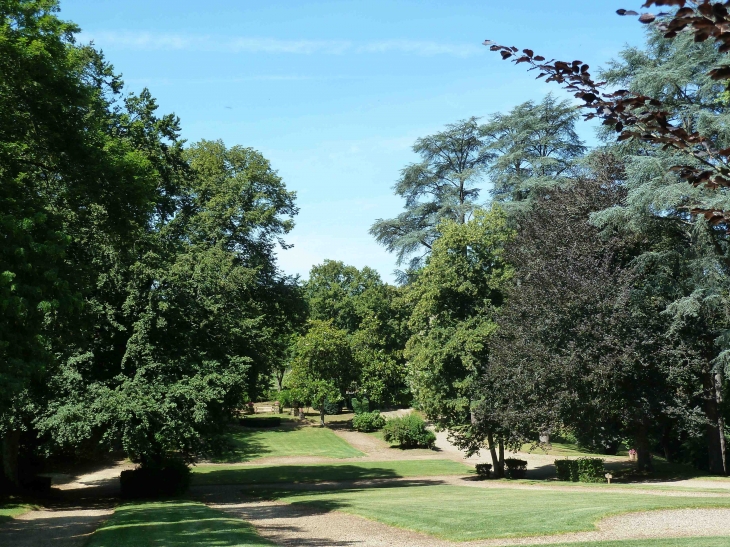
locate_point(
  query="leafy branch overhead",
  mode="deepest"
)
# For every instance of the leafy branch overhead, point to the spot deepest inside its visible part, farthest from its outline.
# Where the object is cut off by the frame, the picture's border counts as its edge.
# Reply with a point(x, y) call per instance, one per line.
point(641, 117)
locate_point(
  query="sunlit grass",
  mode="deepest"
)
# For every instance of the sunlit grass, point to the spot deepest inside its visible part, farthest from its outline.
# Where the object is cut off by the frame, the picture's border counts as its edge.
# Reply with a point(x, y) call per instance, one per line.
point(461, 513)
point(288, 440)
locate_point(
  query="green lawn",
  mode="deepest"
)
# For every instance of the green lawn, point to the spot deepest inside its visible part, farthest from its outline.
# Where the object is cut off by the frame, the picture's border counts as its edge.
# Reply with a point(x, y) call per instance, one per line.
point(288, 440)
point(215, 474)
point(461, 513)
point(10, 510)
point(174, 524)
point(664, 542)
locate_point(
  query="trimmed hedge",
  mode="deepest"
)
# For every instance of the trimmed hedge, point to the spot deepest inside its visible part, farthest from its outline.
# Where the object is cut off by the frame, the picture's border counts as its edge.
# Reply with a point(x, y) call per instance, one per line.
point(408, 432)
point(581, 470)
point(484, 470)
point(516, 469)
point(368, 421)
point(153, 482)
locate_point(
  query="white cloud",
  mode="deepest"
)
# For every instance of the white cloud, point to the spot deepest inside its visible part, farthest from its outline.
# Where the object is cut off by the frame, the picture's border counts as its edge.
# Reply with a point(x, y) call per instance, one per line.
point(148, 41)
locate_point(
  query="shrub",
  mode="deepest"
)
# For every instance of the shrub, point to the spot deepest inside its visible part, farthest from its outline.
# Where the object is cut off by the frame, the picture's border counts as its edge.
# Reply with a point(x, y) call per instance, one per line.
point(581, 470)
point(330, 408)
point(360, 406)
point(368, 421)
point(170, 479)
point(590, 470)
point(285, 399)
point(484, 469)
point(516, 469)
point(408, 432)
point(563, 469)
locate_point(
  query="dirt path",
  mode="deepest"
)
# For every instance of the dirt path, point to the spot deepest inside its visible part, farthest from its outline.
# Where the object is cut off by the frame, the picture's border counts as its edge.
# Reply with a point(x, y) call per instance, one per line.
point(291, 526)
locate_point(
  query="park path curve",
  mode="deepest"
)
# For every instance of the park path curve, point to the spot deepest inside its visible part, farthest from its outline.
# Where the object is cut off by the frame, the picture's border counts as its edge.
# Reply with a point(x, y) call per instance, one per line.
point(46, 527)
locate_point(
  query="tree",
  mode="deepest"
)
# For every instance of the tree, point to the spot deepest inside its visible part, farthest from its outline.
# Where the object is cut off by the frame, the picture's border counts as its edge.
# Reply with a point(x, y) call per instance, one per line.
point(322, 368)
point(534, 146)
point(672, 115)
point(455, 300)
point(442, 186)
point(374, 315)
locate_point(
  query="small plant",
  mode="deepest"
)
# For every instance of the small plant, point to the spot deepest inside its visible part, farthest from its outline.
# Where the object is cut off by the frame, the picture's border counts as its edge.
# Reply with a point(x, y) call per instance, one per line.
point(408, 432)
point(484, 470)
point(581, 470)
point(368, 421)
point(516, 469)
point(285, 399)
point(359, 406)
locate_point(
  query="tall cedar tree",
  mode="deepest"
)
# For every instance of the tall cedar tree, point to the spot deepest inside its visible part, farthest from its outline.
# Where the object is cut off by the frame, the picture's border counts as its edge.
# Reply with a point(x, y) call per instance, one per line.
point(440, 187)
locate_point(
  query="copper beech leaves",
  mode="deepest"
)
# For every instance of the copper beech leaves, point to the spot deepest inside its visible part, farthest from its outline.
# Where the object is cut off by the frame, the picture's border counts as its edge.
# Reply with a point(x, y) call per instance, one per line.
point(645, 118)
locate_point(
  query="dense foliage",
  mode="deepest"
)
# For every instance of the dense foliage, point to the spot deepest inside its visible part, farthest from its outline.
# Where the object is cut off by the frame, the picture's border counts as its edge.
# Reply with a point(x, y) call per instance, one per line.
point(408, 431)
point(141, 301)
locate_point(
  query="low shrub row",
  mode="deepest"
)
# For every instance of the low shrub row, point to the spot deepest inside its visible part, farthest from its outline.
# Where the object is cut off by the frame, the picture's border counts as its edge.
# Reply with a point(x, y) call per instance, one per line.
point(581, 470)
point(408, 432)
point(515, 468)
point(368, 421)
point(262, 422)
point(484, 470)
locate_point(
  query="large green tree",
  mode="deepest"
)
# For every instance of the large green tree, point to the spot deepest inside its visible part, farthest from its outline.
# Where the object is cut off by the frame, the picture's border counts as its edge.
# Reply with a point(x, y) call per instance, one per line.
point(374, 314)
point(455, 300)
point(443, 185)
point(534, 146)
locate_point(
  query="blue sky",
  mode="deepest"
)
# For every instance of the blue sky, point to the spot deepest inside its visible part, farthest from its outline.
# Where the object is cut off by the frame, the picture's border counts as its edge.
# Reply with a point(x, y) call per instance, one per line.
point(335, 93)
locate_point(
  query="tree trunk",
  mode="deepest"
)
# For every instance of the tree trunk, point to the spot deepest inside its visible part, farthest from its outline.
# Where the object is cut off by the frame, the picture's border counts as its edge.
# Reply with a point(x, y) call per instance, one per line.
point(321, 415)
point(498, 469)
point(714, 430)
point(10, 447)
point(643, 453)
point(501, 457)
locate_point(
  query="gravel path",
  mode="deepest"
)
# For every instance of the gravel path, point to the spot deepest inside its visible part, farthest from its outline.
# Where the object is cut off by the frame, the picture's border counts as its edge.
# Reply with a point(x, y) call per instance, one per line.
point(291, 526)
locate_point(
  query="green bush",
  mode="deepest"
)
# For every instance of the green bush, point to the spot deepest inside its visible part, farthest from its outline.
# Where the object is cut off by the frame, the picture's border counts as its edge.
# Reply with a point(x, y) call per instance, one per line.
point(580, 470)
point(563, 469)
point(484, 470)
point(368, 421)
point(285, 399)
point(171, 478)
point(360, 406)
point(516, 469)
point(408, 432)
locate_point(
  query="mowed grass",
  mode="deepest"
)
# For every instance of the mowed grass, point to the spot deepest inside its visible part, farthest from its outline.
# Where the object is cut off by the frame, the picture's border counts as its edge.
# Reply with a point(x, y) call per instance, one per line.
point(174, 524)
point(288, 440)
point(9, 510)
point(663, 542)
point(461, 513)
point(216, 474)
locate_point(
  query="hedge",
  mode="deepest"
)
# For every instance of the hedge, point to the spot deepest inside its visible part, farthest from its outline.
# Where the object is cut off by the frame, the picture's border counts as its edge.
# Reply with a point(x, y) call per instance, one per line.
point(581, 470)
point(516, 469)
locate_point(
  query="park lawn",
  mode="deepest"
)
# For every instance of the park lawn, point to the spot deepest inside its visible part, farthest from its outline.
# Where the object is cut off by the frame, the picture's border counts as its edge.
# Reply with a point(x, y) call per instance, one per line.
point(462, 513)
point(288, 440)
point(10, 510)
point(663, 542)
point(216, 474)
point(174, 524)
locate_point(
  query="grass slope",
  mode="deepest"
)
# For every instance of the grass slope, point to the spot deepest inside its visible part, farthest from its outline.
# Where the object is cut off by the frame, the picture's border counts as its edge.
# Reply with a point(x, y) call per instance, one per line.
point(215, 474)
point(174, 524)
point(461, 513)
point(288, 440)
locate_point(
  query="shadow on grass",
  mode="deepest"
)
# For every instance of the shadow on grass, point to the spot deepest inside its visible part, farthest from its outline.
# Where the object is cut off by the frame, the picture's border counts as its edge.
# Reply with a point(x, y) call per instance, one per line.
point(293, 474)
point(174, 524)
